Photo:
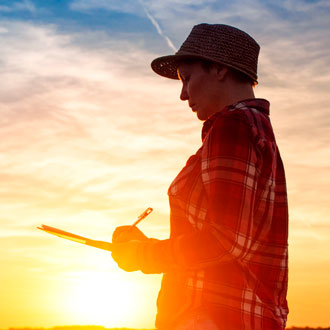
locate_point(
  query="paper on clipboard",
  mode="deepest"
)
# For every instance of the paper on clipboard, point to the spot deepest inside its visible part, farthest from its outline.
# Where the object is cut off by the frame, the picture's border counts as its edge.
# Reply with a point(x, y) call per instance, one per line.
point(76, 238)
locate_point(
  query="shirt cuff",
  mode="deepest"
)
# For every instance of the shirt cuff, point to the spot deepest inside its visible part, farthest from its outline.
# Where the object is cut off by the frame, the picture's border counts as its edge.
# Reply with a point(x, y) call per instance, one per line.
point(154, 256)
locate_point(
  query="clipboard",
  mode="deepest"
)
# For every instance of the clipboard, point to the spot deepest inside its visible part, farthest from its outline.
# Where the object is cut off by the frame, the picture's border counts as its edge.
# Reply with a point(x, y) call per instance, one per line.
point(76, 238)
point(87, 241)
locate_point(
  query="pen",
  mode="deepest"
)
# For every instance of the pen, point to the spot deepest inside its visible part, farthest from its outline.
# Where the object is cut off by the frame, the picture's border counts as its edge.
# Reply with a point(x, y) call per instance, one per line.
point(142, 216)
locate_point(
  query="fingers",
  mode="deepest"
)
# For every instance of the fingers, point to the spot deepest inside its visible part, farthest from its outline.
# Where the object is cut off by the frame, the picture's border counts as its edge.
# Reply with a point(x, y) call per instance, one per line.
point(125, 242)
point(127, 233)
point(120, 233)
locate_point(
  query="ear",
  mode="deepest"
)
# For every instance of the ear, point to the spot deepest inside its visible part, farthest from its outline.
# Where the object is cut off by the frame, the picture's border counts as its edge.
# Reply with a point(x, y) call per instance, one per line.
point(221, 72)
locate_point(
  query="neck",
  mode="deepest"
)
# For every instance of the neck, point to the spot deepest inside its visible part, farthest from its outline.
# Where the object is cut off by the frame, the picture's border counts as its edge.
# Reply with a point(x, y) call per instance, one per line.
point(231, 93)
point(238, 92)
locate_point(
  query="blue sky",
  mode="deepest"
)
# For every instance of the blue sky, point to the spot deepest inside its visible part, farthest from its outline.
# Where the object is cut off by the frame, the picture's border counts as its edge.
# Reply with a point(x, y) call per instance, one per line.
point(130, 17)
point(71, 16)
point(90, 135)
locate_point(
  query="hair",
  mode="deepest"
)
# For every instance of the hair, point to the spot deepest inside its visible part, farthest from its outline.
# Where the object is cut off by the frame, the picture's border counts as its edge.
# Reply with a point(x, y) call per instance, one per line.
point(207, 65)
point(242, 77)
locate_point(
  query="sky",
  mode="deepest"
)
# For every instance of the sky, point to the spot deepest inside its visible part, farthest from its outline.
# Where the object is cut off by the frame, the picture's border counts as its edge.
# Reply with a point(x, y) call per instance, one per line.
point(90, 137)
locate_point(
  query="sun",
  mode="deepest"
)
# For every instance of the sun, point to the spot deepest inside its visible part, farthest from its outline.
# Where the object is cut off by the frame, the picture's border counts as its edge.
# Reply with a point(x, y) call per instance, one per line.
point(103, 299)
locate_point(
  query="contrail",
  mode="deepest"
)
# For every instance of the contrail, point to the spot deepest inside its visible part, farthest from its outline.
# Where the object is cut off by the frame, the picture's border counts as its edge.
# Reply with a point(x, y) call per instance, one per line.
point(159, 30)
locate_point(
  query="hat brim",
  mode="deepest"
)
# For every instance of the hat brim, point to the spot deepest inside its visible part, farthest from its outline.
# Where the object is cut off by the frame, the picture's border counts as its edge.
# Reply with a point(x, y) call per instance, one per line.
point(167, 66)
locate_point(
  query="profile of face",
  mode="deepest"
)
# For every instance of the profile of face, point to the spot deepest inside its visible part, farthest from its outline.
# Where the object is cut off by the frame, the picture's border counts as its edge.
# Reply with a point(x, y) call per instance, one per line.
point(200, 87)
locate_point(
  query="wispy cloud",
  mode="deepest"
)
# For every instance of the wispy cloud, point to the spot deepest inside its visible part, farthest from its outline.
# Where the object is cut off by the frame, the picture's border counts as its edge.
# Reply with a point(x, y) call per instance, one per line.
point(87, 145)
point(73, 134)
point(25, 5)
point(156, 25)
point(135, 7)
point(127, 6)
point(46, 114)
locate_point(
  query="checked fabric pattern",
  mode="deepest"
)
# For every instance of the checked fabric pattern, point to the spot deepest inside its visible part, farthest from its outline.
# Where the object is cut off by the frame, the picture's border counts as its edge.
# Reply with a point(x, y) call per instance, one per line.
point(227, 254)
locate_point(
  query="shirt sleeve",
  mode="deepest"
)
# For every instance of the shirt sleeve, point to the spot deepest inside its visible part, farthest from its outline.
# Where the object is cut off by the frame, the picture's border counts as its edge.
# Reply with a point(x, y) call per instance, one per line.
point(230, 170)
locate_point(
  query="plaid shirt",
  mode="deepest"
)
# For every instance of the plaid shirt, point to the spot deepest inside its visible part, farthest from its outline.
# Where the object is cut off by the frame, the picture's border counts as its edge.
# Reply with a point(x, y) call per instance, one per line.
point(227, 254)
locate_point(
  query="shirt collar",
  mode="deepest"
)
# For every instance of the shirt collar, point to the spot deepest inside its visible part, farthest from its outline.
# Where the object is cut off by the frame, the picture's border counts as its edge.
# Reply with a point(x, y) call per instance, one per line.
point(261, 105)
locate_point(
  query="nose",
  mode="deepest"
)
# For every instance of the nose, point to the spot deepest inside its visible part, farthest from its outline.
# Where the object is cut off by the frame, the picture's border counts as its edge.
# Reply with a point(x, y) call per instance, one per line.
point(184, 94)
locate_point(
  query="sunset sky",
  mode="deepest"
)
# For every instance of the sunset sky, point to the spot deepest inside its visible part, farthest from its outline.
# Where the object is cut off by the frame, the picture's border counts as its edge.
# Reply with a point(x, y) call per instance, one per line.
point(90, 137)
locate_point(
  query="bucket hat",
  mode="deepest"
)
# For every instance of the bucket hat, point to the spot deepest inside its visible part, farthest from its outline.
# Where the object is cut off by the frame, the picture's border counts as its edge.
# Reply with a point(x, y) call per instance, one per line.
point(219, 43)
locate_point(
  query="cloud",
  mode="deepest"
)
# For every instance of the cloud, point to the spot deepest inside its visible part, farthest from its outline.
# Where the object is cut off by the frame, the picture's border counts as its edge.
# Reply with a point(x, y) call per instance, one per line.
point(158, 28)
point(68, 107)
point(66, 103)
point(25, 5)
point(84, 129)
point(128, 6)
point(87, 145)
point(134, 7)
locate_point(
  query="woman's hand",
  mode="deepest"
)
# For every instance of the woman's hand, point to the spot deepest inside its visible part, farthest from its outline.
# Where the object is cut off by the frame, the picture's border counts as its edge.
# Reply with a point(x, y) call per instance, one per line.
point(125, 254)
point(126, 241)
point(128, 233)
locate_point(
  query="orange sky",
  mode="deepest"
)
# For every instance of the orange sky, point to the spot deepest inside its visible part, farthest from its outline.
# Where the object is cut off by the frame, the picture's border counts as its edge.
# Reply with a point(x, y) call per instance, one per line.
point(90, 137)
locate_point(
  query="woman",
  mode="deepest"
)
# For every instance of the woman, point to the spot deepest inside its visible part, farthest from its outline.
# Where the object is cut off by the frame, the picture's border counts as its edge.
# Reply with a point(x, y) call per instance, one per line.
point(225, 264)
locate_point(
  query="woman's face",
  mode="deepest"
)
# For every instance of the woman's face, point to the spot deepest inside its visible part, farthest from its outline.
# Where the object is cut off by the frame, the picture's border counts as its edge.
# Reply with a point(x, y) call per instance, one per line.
point(201, 88)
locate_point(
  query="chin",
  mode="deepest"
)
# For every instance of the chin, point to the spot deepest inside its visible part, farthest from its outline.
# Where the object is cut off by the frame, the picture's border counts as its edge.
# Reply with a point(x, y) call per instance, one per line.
point(201, 116)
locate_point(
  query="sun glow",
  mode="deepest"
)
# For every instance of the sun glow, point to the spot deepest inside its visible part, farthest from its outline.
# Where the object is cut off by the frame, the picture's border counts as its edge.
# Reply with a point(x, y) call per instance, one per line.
point(103, 299)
